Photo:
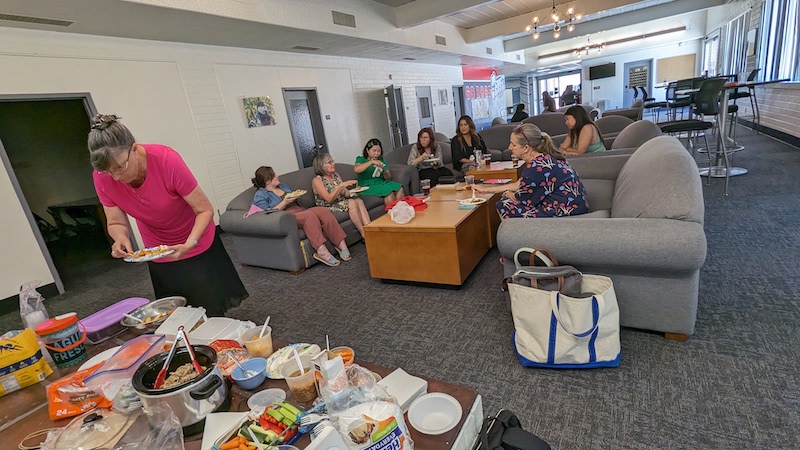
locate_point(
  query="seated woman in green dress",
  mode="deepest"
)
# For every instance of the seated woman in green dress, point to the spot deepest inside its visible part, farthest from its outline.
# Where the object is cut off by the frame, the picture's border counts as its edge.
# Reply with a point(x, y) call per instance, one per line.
point(373, 172)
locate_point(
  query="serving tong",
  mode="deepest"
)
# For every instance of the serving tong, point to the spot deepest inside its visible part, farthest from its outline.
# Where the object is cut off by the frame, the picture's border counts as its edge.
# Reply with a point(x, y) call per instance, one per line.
point(162, 374)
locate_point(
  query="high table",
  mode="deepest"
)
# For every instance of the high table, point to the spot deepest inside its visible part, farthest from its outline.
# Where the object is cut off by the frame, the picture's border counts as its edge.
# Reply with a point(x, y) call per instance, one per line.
point(718, 170)
point(25, 411)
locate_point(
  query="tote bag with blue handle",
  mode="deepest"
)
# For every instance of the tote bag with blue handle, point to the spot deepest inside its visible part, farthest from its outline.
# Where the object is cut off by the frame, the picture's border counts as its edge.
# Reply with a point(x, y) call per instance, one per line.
point(555, 331)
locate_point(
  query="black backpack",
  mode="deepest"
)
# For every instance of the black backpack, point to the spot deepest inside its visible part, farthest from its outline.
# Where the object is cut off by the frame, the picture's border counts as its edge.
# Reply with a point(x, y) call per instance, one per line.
point(504, 432)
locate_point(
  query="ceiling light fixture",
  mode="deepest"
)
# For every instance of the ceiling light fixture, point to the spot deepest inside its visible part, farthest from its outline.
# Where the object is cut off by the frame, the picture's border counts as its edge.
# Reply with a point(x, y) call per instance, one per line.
point(599, 46)
point(560, 20)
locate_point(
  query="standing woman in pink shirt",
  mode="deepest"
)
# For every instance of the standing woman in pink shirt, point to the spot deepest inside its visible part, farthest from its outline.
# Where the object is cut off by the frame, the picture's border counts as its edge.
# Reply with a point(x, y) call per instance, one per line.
point(152, 184)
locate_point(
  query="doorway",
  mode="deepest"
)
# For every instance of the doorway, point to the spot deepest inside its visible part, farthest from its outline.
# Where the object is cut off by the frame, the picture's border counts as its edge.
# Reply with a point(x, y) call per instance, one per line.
point(43, 147)
point(637, 74)
point(305, 122)
point(555, 85)
point(425, 107)
point(395, 113)
point(458, 103)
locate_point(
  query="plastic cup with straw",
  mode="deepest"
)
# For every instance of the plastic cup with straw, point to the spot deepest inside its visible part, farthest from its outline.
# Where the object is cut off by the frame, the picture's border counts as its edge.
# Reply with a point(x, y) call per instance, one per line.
point(300, 378)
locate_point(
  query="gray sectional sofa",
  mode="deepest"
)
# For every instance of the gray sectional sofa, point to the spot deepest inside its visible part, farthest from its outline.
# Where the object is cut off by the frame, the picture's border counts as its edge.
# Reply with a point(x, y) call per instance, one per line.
point(399, 156)
point(274, 241)
point(644, 230)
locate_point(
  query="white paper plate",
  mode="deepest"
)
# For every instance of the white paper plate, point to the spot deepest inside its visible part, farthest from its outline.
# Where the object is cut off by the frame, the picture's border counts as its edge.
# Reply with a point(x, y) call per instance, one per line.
point(296, 193)
point(434, 413)
point(473, 201)
point(359, 189)
point(277, 359)
point(148, 257)
point(100, 357)
point(432, 160)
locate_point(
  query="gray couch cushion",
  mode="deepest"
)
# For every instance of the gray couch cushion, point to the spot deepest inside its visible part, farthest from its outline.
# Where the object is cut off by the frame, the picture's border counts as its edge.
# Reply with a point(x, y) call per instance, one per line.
point(645, 190)
point(636, 134)
point(552, 123)
point(497, 137)
point(599, 193)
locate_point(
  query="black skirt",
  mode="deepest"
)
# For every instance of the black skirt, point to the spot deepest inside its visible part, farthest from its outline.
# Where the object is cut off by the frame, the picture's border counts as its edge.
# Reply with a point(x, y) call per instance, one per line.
point(209, 280)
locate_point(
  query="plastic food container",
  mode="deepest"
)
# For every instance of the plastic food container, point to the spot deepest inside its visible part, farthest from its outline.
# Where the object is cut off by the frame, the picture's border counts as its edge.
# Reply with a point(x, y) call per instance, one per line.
point(105, 324)
point(120, 367)
point(152, 314)
point(215, 328)
point(185, 316)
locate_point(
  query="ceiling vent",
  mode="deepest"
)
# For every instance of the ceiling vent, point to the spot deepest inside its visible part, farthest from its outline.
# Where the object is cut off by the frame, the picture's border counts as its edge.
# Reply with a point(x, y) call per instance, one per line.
point(488, 50)
point(37, 20)
point(303, 47)
point(441, 40)
point(345, 20)
point(519, 58)
point(410, 59)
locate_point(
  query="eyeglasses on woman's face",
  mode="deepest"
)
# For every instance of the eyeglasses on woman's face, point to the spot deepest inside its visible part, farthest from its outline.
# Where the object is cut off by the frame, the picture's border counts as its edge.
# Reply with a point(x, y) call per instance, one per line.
point(120, 168)
point(331, 162)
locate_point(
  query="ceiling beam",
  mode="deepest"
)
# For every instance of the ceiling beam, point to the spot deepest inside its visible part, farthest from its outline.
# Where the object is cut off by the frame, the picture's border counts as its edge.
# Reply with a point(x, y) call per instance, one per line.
point(518, 23)
point(418, 12)
point(662, 11)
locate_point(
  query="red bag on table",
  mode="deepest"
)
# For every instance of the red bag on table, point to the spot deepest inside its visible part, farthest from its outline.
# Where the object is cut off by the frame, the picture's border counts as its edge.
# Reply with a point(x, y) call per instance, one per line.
point(414, 202)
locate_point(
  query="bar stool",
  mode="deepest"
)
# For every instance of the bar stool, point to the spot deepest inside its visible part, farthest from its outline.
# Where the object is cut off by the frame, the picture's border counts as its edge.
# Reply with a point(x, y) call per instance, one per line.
point(706, 103)
point(751, 94)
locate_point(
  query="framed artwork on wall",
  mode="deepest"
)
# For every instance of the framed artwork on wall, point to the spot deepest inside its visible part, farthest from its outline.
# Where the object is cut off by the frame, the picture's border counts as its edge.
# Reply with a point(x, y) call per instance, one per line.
point(258, 111)
point(443, 97)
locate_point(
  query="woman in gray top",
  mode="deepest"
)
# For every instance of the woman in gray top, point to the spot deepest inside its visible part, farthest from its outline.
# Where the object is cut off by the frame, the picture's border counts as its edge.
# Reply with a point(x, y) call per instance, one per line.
point(426, 155)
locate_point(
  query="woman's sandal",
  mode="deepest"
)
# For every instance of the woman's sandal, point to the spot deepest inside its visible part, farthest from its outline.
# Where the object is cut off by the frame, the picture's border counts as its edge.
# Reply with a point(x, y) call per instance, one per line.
point(344, 254)
point(333, 262)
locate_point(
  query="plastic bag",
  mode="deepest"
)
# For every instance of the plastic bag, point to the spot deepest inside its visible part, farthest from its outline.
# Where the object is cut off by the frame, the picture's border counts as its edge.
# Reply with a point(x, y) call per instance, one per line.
point(401, 213)
point(167, 435)
point(67, 396)
point(366, 416)
point(31, 305)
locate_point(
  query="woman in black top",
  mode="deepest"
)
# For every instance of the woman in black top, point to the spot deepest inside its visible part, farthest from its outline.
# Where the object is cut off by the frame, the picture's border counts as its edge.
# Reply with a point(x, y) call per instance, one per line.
point(520, 114)
point(464, 143)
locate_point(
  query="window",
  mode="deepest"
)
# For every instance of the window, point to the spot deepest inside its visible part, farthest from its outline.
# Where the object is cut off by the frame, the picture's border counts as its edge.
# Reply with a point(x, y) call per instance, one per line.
point(734, 43)
point(778, 44)
point(711, 55)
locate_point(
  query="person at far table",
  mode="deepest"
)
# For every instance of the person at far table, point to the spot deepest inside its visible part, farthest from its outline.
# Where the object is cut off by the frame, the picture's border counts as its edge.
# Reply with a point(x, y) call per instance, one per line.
point(333, 193)
point(152, 184)
point(464, 144)
point(549, 187)
point(583, 136)
point(519, 114)
point(548, 102)
point(317, 222)
point(373, 172)
point(426, 155)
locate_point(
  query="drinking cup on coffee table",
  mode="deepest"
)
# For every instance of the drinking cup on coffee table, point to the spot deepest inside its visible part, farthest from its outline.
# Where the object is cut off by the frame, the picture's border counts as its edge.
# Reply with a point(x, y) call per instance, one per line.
point(470, 179)
point(487, 159)
point(426, 186)
point(302, 385)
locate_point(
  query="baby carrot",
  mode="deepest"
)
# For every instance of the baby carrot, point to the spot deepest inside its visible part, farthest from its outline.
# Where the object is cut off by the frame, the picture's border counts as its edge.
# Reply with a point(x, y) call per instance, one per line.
point(232, 444)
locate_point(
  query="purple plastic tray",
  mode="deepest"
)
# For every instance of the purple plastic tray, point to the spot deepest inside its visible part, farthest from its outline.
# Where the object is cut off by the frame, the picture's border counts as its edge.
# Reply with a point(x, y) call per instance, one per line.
point(105, 324)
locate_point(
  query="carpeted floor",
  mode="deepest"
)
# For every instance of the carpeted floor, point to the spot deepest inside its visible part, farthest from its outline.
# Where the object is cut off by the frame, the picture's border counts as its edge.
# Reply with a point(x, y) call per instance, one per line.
point(734, 384)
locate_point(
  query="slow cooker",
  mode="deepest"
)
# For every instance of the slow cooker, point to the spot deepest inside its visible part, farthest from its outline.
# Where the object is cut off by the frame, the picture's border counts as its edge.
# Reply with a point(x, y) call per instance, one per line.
point(192, 400)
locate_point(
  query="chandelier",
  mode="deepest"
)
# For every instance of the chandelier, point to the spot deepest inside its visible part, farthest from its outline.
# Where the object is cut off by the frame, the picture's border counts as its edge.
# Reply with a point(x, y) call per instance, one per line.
point(589, 47)
point(560, 20)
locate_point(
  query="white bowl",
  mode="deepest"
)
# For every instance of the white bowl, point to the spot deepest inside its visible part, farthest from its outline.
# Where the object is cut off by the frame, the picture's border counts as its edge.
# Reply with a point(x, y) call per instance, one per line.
point(434, 413)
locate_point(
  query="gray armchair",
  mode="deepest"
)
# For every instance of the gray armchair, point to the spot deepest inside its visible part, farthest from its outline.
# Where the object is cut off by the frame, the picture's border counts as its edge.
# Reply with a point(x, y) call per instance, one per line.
point(611, 126)
point(644, 230)
point(399, 156)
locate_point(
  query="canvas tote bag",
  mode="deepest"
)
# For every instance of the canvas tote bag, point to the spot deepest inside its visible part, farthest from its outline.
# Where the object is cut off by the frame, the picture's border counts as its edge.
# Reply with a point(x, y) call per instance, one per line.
point(554, 330)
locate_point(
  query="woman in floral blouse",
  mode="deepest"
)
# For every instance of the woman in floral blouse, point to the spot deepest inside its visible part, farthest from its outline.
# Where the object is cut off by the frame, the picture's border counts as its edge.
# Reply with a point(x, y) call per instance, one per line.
point(549, 187)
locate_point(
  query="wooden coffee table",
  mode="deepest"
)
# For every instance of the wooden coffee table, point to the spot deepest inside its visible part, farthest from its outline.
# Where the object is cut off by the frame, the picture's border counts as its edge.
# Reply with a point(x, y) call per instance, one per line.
point(499, 169)
point(441, 245)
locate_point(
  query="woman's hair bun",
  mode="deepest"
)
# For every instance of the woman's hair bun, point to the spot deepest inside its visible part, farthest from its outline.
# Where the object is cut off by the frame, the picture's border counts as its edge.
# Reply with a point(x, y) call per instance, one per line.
point(102, 121)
